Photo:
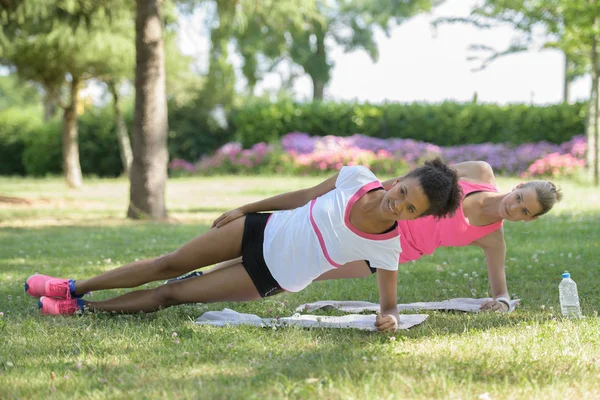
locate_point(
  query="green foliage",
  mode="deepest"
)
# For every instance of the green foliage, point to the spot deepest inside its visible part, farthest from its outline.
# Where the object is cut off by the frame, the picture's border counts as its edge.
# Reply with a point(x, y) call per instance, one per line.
point(307, 41)
point(98, 146)
point(193, 132)
point(43, 151)
point(17, 126)
point(45, 40)
point(570, 26)
point(17, 93)
point(32, 148)
point(443, 124)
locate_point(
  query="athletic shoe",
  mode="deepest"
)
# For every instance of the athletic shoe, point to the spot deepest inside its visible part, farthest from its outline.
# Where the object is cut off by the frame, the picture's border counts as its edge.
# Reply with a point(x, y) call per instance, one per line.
point(43, 285)
point(50, 306)
point(186, 276)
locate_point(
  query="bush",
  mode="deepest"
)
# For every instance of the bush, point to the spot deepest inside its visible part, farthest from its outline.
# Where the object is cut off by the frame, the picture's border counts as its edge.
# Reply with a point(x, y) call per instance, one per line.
point(444, 124)
point(194, 132)
point(417, 130)
point(42, 155)
point(554, 165)
point(302, 154)
point(98, 146)
point(16, 127)
point(271, 159)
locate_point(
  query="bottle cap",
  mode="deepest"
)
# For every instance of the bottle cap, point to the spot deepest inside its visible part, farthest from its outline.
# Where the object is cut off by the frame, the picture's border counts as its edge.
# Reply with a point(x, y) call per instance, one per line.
point(566, 275)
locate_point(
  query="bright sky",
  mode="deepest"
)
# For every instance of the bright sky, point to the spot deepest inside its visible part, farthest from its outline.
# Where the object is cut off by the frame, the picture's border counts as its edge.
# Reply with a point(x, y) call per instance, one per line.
point(418, 64)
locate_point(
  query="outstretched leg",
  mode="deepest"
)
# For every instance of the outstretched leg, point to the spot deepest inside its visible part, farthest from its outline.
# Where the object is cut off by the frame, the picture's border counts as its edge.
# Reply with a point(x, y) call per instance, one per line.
point(354, 269)
point(226, 284)
point(218, 244)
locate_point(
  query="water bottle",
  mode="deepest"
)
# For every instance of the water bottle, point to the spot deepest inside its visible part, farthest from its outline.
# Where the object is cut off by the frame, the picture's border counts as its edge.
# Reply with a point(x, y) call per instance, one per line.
point(569, 299)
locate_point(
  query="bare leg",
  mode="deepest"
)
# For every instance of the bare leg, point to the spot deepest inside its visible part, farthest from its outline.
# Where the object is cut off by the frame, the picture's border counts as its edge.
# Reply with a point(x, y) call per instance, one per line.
point(218, 244)
point(224, 264)
point(227, 284)
point(354, 269)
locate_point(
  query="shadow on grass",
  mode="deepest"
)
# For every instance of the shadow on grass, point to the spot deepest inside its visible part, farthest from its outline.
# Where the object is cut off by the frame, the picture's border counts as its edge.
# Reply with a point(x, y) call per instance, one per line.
point(258, 362)
point(200, 210)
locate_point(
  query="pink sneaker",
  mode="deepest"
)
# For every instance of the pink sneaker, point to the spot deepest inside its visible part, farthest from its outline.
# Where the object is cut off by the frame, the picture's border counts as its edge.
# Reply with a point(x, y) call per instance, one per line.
point(50, 306)
point(43, 285)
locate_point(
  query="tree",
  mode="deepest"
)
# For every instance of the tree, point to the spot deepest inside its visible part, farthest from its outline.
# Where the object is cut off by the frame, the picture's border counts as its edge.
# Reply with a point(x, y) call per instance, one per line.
point(252, 26)
point(59, 44)
point(149, 168)
point(15, 92)
point(570, 26)
point(347, 23)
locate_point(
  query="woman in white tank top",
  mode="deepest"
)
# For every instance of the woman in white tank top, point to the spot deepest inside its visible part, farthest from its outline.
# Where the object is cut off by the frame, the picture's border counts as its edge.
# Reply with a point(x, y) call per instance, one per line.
point(313, 223)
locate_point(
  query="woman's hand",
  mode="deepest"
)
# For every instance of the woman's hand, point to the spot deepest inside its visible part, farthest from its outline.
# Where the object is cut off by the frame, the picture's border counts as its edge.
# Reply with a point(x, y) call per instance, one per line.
point(227, 217)
point(387, 322)
point(494, 305)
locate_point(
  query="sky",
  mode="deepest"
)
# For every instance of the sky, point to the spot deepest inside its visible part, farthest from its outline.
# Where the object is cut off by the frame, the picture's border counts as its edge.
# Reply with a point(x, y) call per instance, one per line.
point(418, 63)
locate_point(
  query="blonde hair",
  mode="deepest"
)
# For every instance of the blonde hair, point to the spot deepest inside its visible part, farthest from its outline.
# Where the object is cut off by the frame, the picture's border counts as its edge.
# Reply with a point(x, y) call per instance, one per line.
point(547, 194)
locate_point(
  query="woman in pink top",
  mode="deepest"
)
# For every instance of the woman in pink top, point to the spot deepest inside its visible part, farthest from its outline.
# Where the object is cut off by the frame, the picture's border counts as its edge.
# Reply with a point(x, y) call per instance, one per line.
point(477, 222)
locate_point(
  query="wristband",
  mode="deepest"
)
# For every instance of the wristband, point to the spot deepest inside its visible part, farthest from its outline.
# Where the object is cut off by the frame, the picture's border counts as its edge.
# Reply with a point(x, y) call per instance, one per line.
point(504, 300)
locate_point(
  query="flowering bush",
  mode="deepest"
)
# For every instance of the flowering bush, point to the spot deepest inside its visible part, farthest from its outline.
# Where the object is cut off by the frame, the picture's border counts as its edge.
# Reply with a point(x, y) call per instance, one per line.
point(299, 153)
point(181, 167)
point(409, 150)
point(502, 158)
point(382, 162)
point(232, 158)
point(576, 147)
point(554, 165)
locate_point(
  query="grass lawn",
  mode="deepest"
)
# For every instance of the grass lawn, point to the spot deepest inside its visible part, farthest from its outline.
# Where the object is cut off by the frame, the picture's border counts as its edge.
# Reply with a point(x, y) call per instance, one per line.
point(532, 353)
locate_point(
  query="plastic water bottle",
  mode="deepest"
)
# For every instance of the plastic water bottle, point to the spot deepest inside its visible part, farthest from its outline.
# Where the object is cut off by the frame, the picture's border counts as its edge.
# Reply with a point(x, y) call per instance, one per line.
point(569, 299)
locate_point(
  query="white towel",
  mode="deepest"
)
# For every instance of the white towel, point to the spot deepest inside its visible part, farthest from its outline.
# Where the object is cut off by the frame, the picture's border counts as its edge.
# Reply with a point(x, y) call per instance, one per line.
point(363, 322)
point(460, 304)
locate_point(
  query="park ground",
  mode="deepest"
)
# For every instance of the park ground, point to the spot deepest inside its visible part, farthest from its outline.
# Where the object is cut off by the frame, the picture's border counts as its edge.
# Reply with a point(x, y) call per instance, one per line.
point(532, 353)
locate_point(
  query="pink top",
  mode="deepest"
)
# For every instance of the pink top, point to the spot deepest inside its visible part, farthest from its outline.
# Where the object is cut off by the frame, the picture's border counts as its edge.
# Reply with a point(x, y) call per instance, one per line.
point(424, 235)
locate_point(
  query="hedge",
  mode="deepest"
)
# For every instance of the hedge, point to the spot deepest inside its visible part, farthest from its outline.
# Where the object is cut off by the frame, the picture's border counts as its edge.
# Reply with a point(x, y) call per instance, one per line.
point(29, 146)
point(444, 124)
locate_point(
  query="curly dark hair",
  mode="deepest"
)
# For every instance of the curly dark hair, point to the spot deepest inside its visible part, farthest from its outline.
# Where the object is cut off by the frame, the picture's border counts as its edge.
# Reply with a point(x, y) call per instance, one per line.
point(440, 185)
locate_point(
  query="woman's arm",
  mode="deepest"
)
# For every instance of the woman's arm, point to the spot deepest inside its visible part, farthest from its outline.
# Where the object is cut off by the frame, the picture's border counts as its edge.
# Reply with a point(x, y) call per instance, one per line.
point(476, 171)
point(479, 171)
point(285, 201)
point(387, 283)
point(494, 248)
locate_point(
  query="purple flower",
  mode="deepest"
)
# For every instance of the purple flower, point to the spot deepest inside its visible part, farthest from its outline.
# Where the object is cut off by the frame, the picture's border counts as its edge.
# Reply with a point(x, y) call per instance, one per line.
point(305, 154)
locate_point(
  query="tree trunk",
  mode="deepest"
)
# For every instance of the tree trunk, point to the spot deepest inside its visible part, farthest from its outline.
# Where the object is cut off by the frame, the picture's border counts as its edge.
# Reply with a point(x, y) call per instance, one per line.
point(70, 145)
point(590, 122)
point(51, 101)
point(148, 174)
point(121, 128)
point(321, 56)
point(567, 80)
point(593, 151)
point(593, 145)
point(318, 89)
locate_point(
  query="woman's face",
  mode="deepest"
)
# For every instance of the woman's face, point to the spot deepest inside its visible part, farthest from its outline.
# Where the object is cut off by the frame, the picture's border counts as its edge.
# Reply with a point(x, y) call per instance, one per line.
point(405, 200)
point(520, 205)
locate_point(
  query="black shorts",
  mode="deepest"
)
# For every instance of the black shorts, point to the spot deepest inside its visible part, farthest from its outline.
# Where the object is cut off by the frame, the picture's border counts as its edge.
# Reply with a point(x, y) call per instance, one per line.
point(373, 270)
point(253, 259)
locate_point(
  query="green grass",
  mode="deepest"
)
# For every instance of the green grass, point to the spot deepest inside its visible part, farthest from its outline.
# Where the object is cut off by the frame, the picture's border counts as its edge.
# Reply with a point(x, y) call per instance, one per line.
point(531, 353)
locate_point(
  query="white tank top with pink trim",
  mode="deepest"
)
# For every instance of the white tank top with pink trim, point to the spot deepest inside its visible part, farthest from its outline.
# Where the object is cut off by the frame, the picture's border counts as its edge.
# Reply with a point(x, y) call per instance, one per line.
point(303, 243)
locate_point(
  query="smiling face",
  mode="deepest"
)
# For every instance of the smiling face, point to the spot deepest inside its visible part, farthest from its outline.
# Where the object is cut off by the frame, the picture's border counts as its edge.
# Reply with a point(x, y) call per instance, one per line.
point(405, 200)
point(520, 205)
